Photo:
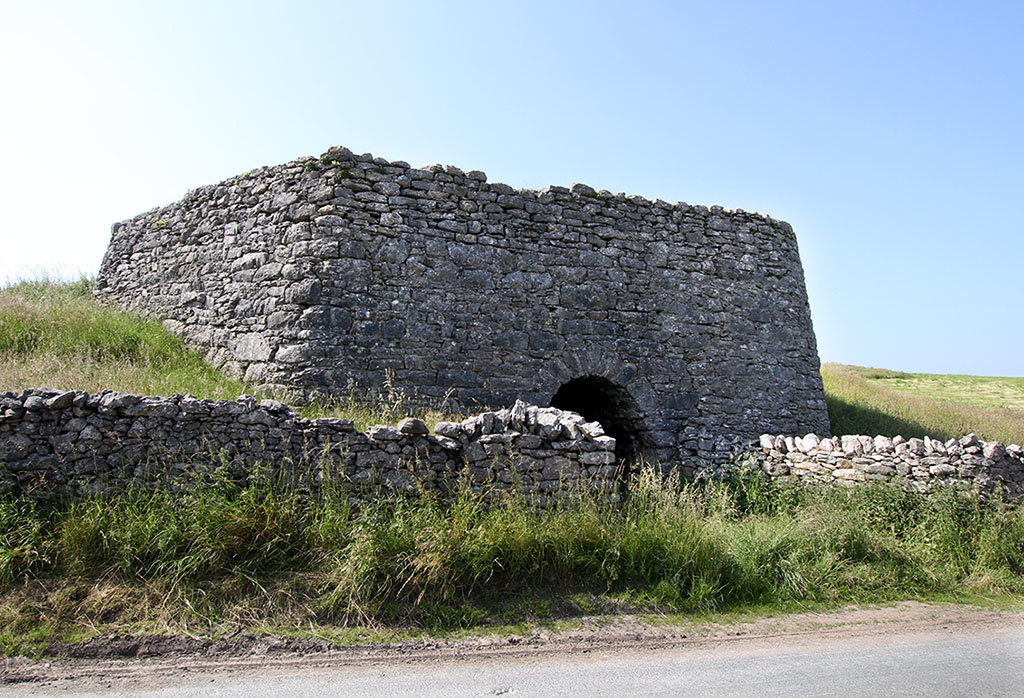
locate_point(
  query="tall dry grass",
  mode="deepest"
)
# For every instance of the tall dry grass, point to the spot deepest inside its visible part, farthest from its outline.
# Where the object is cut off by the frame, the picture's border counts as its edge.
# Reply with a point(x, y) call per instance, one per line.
point(668, 547)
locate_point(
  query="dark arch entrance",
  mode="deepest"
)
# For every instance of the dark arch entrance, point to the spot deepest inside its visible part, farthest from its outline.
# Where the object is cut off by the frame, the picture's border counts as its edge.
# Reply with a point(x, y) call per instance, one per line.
point(597, 399)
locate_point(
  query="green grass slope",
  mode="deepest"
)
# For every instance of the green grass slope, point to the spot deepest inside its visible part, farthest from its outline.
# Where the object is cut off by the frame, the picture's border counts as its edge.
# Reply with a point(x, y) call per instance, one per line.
point(56, 335)
point(877, 401)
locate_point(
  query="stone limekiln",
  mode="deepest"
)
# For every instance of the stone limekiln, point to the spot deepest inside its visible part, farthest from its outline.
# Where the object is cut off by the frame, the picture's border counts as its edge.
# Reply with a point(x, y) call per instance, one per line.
point(682, 329)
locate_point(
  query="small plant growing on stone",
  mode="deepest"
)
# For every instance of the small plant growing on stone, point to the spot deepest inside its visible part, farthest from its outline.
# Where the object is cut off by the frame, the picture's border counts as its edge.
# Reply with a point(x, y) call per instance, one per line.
point(393, 399)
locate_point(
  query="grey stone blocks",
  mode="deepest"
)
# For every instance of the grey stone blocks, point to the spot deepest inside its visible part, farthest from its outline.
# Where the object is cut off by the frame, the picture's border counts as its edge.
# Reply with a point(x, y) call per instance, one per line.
point(986, 468)
point(72, 444)
point(325, 276)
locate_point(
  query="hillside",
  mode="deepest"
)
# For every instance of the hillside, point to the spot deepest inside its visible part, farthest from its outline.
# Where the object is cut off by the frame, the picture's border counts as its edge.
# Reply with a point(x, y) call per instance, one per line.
point(878, 401)
point(55, 335)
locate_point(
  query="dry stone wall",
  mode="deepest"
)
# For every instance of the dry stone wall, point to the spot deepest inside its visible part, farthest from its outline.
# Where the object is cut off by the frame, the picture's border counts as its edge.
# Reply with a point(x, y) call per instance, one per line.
point(986, 468)
point(73, 444)
point(683, 329)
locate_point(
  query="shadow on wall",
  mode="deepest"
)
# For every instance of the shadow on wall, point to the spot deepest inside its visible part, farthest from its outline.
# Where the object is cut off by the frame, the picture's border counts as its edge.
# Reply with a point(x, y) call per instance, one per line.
point(849, 418)
point(598, 399)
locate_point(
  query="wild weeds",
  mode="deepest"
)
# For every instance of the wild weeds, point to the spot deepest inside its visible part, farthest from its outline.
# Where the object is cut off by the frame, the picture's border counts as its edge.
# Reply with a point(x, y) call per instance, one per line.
point(671, 546)
point(388, 406)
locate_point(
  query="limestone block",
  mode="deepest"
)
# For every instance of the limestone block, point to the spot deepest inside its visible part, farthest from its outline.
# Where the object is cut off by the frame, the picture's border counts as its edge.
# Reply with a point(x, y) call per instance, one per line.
point(61, 401)
point(598, 458)
point(851, 445)
point(15, 447)
point(916, 447)
point(411, 425)
point(994, 450)
point(848, 474)
point(381, 432)
point(883, 444)
point(250, 347)
point(293, 354)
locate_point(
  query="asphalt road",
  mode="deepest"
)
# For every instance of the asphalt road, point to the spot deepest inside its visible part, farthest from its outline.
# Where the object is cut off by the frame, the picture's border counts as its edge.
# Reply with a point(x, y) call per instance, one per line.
point(936, 662)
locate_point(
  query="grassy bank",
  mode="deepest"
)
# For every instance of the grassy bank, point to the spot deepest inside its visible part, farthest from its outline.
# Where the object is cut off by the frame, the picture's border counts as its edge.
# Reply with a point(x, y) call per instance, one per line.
point(215, 561)
point(877, 401)
point(55, 335)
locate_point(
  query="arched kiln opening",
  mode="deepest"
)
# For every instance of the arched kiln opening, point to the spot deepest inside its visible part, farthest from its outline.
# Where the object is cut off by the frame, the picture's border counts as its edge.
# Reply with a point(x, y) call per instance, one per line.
point(598, 399)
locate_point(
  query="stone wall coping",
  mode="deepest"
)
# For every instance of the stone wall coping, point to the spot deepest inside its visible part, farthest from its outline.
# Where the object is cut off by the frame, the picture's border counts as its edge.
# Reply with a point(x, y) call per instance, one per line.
point(860, 444)
point(986, 468)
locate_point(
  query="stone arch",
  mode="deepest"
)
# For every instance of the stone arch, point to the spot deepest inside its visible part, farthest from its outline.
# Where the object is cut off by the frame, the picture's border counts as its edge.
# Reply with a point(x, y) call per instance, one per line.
point(598, 399)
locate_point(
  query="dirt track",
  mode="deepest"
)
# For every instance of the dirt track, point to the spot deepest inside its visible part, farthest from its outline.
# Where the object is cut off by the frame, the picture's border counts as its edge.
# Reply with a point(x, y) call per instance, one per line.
point(123, 662)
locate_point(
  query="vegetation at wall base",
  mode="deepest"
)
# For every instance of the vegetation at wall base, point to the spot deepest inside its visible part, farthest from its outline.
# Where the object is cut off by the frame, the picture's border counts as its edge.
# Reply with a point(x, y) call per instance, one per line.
point(265, 558)
point(261, 557)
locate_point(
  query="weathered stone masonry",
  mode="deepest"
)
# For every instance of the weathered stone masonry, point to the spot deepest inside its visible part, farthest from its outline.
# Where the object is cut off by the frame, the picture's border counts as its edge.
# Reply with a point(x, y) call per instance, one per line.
point(73, 444)
point(683, 329)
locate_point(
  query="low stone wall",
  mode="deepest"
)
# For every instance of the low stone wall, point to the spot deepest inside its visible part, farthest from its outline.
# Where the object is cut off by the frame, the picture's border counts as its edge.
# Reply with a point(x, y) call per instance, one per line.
point(985, 467)
point(69, 444)
point(72, 444)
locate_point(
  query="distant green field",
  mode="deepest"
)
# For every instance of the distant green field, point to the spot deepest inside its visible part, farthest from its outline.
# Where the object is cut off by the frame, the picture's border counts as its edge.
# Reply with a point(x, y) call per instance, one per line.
point(878, 401)
point(983, 391)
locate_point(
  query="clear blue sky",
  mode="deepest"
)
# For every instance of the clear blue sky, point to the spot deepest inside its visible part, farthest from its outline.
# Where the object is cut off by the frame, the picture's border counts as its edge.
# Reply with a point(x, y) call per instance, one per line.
point(891, 135)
